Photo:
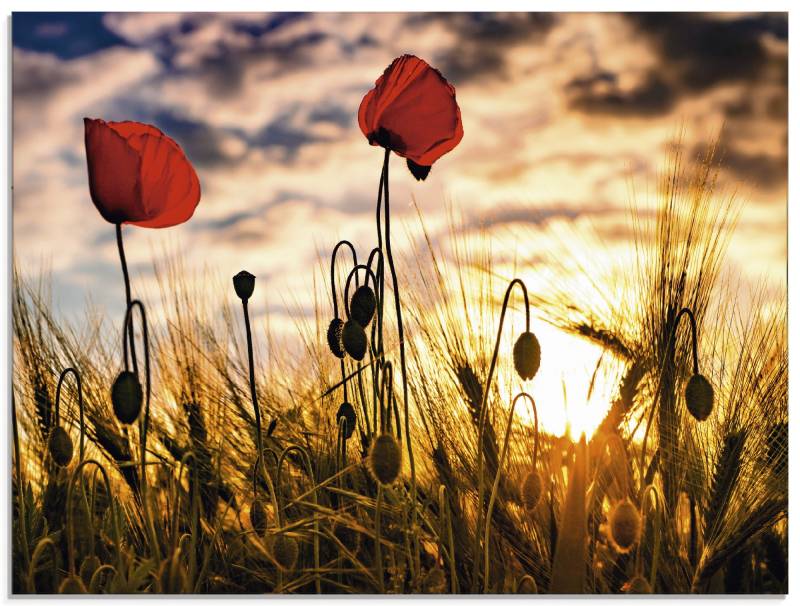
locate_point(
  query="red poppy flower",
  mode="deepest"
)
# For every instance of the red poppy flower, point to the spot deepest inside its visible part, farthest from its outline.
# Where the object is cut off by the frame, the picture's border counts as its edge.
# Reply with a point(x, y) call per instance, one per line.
point(138, 175)
point(413, 111)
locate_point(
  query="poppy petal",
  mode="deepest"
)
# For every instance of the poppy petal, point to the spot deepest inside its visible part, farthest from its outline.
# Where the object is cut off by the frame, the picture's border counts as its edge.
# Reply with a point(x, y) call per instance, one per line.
point(170, 187)
point(413, 111)
point(113, 168)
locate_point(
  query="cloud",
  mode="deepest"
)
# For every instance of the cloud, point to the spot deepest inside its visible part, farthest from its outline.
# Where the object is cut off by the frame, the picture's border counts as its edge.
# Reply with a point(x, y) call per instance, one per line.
point(562, 113)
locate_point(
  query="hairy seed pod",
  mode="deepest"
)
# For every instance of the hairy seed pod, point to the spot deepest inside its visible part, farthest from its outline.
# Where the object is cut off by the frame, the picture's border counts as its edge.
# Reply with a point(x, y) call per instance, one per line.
point(72, 584)
point(244, 283)
point(385, 459)
point(527, 584)
point(346, 533)
point(258, 517)
point(778, 448)
point(531, 491)
point(699, 397)
point(637, 584)
point(126, 397)
point(88, 567)
point(527, 355)
point(354, 339)
point(625, 525)
point(347, 411)
point(285, 551)
point(335, 338)
point(362, 305)
point(59, 444)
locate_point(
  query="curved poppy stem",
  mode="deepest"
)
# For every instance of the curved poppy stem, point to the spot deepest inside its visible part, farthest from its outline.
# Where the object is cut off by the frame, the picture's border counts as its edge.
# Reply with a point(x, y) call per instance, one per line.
point(310, 471)
point(500, 462)
point(145, 421)
point(333, 273)
point(61, 379)
point(126, 277)
point(482, 416)
point(401, 339)
point(260, 464)
point(670, 341)
point(336, 300)
point(377, 349)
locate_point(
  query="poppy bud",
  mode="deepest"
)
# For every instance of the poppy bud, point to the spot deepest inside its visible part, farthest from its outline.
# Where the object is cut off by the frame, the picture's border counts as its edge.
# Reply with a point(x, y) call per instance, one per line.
point(354, 339)
point(72, 584)
point(527, 355)
point(385, 458)
point(699, 397)
point(362, 305)
point(531, 490)
point(527, 585)
point(625, 525)
point(60, 446)
point(244, 283)
point(285, 551)
point(637, 584)
point(347, 411)
point(126, 397)
point(335, 338)
point(258, 517)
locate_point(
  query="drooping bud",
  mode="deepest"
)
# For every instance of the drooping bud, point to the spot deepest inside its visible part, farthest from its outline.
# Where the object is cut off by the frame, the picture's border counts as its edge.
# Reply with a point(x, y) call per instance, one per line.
point(126, 397)
point(335, 338)
point(625, 526)
point(244, 283)
point(258, 517)
point(347, 411)
point(385, 459)
point(527, 355)
point(362, 305)
point(285, 551)
point(699, 397)
point(531, 491)
point(59, 444)
point(354, 339)
point(527, 584)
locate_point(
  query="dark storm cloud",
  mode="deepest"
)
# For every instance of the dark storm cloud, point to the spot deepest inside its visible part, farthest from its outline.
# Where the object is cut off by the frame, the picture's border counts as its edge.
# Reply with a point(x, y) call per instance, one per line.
point(483, 39)
point(706, 50)
point(695, 52)
point(66, 35)
point(600, 94)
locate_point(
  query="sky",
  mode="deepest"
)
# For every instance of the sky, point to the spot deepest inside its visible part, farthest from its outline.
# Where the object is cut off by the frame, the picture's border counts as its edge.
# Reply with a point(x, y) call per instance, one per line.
point(562, 115)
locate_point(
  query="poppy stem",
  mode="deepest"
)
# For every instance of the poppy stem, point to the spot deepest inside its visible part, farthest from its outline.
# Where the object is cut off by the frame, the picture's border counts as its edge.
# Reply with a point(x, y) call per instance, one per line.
point(401, 338)
point(482, 420)
point(670, 344)
point(61, 380)
point(259, 443)
point(127, 279)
